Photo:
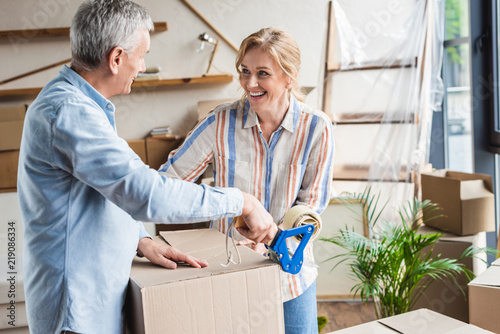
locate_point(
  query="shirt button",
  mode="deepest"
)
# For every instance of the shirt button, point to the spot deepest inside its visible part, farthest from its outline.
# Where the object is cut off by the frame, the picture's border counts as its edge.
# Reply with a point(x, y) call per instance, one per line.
point(209, 213)
point(235, 208)
point(109, 106)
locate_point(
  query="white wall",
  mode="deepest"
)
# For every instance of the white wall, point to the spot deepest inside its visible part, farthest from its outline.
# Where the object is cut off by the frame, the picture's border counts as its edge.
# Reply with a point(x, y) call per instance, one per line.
point(173, 50)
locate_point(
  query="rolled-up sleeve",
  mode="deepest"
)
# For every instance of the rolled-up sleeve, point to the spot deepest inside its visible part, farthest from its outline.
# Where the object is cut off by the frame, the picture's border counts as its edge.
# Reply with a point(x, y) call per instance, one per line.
point(98, 157)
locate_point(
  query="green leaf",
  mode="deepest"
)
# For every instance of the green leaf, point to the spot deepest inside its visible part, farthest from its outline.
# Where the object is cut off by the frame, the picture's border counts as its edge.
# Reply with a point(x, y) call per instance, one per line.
point(396, 264)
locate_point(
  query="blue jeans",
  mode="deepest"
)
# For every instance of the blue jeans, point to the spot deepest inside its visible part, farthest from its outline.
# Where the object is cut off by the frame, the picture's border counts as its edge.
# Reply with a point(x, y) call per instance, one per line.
point(301, 313)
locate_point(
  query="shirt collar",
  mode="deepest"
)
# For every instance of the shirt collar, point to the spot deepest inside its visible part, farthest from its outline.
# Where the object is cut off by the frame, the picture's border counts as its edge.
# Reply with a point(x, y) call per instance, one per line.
point(76, 80)
point(289, 123)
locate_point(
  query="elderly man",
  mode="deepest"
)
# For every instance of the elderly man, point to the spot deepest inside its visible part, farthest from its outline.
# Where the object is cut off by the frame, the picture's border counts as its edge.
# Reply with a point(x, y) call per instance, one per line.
point(81, 188)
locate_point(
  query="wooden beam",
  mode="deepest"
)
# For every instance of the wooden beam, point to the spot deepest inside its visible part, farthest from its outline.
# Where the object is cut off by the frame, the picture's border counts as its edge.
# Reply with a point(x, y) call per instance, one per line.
point(194, 10)
point(332, 63)
point(20, 76)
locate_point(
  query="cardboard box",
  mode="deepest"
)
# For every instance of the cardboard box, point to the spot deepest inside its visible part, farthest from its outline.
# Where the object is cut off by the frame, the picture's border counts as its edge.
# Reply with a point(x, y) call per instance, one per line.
point(11, 127)
point(6, 288)
point(484, 299)
point(238, 298)
point(444, 296)
point(12, 293)
point(13, 314)
point(467, 200)
point(139, 147)
point(17, 330)
point(158, 149)
point(9, 161)
point(422, 321)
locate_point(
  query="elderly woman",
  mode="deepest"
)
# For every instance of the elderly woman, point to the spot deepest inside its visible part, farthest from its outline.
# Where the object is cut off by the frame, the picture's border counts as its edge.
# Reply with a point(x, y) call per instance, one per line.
point(271, 145)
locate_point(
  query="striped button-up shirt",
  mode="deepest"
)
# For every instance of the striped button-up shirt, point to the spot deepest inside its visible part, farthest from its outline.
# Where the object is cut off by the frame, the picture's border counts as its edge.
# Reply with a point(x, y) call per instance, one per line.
point(293, 167)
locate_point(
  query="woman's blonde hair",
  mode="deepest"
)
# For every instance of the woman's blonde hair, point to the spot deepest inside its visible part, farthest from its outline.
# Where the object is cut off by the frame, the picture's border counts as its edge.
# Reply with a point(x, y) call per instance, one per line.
point(279, 45)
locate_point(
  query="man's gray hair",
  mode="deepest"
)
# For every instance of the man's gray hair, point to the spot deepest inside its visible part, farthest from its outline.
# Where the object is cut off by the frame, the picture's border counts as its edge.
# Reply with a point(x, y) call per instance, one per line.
point(101, 25)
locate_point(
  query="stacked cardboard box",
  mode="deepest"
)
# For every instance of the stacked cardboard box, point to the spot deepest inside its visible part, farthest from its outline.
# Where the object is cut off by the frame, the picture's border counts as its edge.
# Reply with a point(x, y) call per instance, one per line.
point(422, 321)
point(468, 204)
point(237, 298)
point(444, 296)
point(158, 149)
point(12, 307)
point(468, 211)
point(467, 201)
point(484, 298)
point(11, 129)
point(139, 147)
point(154, 151)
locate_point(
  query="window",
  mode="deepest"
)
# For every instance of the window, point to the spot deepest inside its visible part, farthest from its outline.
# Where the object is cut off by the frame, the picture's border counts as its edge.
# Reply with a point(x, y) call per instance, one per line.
point(466, 134)
point(495, 134)
point(457, 95)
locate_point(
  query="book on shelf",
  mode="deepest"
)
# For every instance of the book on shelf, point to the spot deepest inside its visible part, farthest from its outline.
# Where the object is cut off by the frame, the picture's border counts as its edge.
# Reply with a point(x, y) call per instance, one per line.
point(164, 132)
point(161, 130)
point(148, 76)
point(166, 136)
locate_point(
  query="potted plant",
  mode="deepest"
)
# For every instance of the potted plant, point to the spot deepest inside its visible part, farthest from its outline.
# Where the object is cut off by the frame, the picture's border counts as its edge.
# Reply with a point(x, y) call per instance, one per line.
point(396, 263)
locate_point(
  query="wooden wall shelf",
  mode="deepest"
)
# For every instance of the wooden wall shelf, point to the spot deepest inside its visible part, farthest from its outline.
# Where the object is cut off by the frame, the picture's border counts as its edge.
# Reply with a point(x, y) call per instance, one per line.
point(54, 32)
point(368, 67)
point(362, 173)
point(371, 118)
point(151, 84)
point(206, 79)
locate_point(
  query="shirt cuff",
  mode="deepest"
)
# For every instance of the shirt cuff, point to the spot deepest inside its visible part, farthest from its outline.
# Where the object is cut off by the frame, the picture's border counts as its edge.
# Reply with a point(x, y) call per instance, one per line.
point(234, 204)
point(142, 231)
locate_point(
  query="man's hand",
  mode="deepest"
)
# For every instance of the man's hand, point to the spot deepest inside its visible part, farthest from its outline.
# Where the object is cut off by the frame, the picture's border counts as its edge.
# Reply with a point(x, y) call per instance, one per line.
point(165, 255)
point(259, 248)
point(260, 226)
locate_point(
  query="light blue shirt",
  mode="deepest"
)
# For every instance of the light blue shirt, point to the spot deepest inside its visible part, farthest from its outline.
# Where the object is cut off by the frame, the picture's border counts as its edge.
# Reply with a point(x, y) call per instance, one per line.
point(81, 190)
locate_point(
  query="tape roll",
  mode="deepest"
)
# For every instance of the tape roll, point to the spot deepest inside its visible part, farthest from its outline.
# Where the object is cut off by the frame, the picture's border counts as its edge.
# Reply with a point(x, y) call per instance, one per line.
point(300, 215)
point(239, 222)
point(297, 216)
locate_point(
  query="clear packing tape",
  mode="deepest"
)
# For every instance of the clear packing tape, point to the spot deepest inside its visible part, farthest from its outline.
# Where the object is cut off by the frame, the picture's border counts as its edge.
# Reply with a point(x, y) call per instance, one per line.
point(382, 88)
point(301, 215)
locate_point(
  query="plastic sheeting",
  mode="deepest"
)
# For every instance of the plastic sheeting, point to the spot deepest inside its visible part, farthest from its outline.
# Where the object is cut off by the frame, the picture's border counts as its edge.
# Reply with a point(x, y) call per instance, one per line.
point(382, 91)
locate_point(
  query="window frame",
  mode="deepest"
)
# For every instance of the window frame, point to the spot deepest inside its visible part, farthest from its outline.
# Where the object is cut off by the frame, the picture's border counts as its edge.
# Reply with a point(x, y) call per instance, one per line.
point(484, 62)
point(484, 75)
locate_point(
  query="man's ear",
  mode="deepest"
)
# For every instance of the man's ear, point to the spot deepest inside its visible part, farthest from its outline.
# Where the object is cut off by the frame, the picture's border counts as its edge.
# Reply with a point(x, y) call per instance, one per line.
point(115, 59)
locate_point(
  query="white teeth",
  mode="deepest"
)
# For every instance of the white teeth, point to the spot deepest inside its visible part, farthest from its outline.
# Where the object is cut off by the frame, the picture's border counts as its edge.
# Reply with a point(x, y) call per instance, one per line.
point(256, 94)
